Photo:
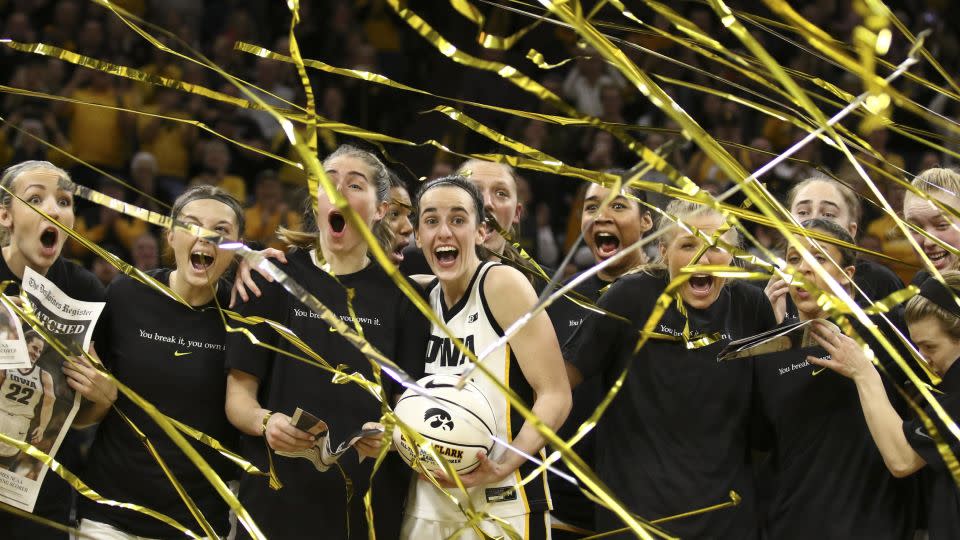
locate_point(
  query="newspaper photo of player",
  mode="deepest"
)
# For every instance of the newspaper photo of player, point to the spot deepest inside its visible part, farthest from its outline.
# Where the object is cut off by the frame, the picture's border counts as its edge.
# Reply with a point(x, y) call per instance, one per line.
point(36, 403)
point(27, 397)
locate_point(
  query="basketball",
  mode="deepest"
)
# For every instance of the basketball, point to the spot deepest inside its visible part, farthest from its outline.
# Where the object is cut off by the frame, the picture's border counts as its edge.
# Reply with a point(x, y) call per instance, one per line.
point(458, 423)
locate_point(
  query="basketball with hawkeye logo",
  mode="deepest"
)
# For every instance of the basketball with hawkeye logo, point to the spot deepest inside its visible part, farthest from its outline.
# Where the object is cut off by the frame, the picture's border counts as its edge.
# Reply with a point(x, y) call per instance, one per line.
point(455, 423)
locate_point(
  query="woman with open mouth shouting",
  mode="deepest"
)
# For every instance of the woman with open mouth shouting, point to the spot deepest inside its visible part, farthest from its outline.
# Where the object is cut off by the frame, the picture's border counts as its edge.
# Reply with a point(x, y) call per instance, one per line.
point(477, 301)
point(395, 228)
point(810, 421)
point(264, 387)
point(173, 356)
point(33, 241)
point(606, 231)
point(676, 436)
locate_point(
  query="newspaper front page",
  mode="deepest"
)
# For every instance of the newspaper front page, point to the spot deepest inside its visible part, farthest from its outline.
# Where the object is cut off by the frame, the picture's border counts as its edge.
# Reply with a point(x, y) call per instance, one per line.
point(36, 404)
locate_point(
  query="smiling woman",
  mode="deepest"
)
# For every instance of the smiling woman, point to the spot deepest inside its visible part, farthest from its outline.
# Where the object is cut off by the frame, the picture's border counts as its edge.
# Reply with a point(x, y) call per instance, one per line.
point(30, 240)
point(476, 301)
point(140, 338)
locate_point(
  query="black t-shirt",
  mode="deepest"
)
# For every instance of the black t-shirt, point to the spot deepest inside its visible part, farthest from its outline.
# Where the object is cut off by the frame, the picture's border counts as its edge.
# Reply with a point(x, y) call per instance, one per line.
point(876, 280)
point(829, 479)
point(173, 357)
point(55, 496)
point(943, 502)
point(676, 436)
point(569, 504)
point(309, 500)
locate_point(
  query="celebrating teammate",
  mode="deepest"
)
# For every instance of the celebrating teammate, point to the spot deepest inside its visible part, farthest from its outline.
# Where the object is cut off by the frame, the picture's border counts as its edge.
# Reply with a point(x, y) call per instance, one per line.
point(813, 422)
point(906, 447)
point(825, 198)
point(33, 241)
point(477, 300)
point(397, 219)
point(173, 356)
point(265, 387)
point(21, 391)
point(606, 231)
point(676, 437)
point(943, 185)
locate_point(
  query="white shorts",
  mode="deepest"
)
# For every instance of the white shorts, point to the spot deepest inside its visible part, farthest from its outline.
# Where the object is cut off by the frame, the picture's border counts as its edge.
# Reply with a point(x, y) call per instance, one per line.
point(15, 427)
point(528, 526)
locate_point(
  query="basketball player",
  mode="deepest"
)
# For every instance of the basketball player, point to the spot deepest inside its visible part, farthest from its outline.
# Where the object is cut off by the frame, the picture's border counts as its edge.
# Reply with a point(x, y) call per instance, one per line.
point(264, 387)
point(676, 436)
point(813, 422)
point(34, 242)
point(606, 230)
point(944, 186)
point(907, 445)
point(825, 198)
point(477, 300)
point(21, 392)
point(397, 219)
point(173, 356)
point(497, 184)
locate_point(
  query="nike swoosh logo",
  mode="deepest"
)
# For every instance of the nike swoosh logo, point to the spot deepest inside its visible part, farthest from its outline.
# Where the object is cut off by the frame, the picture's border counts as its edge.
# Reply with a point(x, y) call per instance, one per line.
point(919, 431)
point(431, 384)
point(178, 353)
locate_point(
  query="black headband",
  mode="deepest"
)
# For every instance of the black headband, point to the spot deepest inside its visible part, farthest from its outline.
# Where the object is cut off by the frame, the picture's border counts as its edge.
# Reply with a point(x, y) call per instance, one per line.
point(941, 295)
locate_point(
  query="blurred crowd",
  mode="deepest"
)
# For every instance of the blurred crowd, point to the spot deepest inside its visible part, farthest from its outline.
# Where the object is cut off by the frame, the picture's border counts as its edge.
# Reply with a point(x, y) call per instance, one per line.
point(160, 153)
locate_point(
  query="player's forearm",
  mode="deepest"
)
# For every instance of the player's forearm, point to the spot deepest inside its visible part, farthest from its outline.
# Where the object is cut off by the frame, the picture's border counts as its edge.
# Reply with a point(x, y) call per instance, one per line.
point(886, 427)
point(90, 413)
point(46, 412)
point(552, 409)
point(244, 412)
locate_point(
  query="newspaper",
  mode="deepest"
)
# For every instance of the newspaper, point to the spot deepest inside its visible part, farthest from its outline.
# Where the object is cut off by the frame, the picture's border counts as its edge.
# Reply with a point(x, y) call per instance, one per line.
point(36, 404)
point(782, 338)
point(321, 454)
point(13, 348)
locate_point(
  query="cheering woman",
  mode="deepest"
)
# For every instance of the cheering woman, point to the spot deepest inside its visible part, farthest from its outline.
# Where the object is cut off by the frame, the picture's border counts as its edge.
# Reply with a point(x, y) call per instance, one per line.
point(676, 436)
point(481, 299)
point(172, 355)
point(33, 241)
point(264, 387)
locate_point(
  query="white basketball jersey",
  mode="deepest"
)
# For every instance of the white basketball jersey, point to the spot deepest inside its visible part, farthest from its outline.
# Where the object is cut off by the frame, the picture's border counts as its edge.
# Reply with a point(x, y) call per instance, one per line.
point(471, 321)
point(21, 392)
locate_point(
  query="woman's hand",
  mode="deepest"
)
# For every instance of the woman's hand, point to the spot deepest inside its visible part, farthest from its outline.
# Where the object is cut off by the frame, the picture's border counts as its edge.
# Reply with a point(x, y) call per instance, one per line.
point(846, 356)
point(243, 282)
point(90, 382)
point(283, 437)
point(776, 290)
point(488, 472)
point(370, 446)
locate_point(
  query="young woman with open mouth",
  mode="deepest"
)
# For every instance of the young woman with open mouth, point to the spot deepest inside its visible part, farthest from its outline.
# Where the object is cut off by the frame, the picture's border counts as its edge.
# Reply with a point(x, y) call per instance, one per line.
point(397, 220)
point(264, 388)
point(173, 356)
point(825, 198)
point(606, 230)
point(481, 299)
point(676, 436)
point(810, 421)
point(32, 241)
point(942, 185)
point(904, 442)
